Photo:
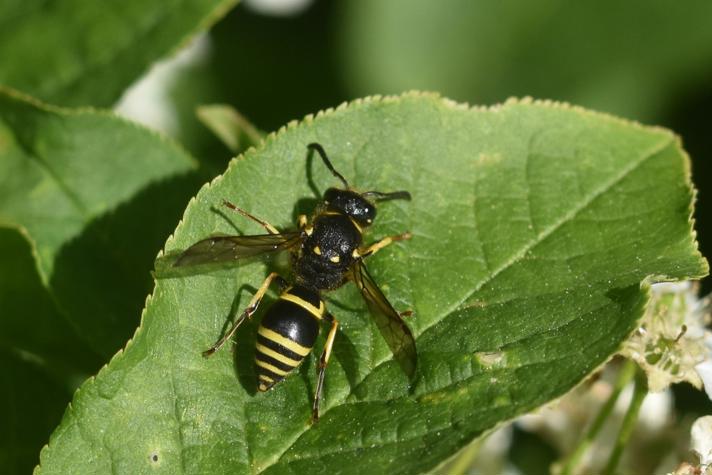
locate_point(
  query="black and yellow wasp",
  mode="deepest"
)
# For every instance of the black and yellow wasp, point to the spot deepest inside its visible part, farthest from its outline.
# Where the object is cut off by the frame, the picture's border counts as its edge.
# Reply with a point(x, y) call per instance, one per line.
point(327, 251)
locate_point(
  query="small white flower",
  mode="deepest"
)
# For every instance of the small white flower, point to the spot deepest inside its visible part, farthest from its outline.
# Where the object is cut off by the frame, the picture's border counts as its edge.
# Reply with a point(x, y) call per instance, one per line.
point(672, 344)
point(701, 439)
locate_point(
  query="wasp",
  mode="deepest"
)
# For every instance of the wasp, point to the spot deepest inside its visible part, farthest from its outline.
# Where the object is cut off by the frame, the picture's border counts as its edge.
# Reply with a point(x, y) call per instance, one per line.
point(327, 251)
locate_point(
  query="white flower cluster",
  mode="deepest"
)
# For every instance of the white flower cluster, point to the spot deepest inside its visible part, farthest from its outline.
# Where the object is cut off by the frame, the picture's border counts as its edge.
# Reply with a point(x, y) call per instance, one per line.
point(672, 344)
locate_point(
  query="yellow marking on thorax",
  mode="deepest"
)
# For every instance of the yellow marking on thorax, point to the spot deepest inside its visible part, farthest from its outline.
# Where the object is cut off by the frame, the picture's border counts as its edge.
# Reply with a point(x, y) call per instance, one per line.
point(278, 356)
point(335, 259)
point(317, 250)
point(315, 312)
point(284, 341)
point(271, 368)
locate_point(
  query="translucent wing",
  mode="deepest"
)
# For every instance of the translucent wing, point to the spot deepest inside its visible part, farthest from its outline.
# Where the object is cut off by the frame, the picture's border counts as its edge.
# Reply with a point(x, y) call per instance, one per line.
point(389, 322)
point(232, 248)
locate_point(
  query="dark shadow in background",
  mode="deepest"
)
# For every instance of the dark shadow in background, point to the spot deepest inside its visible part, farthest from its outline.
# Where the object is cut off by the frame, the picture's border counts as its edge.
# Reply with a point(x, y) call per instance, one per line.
point(531, 454)
point(101, 278)
point(30, 321)
point(29, 410)
point(691, 119)
point(276, 69)
point(271, 69)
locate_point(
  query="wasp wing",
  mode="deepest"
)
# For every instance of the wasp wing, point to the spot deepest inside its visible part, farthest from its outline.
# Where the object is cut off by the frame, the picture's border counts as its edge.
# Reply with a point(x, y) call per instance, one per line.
point(389, 322)
point(232, 248)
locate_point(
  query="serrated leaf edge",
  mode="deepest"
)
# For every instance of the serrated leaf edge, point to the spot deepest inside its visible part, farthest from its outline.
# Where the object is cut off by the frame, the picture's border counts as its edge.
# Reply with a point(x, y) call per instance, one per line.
point(271, 137)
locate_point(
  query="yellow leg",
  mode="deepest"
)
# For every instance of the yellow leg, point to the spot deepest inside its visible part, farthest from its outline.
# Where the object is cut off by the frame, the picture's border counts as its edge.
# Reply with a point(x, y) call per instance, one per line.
point(323, 362)
point(270, 229)
point(247, 313)
point(377, 246)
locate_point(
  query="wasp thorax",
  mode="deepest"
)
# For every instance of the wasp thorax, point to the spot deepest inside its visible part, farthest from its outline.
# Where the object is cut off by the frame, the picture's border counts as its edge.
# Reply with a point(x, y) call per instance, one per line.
point(351, 204)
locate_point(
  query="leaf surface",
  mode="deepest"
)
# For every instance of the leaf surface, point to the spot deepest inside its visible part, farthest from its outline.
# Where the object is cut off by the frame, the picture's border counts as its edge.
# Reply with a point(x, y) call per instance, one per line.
point(630, 58)
point(536, 228)
point(74, 52)
point(95, 196)
point(30, 321)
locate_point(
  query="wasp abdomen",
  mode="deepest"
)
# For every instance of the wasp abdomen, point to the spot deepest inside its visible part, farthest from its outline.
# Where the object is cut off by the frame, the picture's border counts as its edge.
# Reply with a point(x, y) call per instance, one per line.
point(287, 335)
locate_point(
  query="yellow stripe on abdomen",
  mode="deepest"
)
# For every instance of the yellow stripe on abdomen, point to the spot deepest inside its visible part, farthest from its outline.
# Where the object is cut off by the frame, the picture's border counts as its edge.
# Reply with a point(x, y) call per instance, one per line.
point(273, 369)
point(284, 341)
point(317, 313)
point(278, 356)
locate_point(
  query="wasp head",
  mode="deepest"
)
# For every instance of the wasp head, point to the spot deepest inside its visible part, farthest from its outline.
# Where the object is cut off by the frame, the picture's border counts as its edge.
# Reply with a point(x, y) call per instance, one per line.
point(350, 203)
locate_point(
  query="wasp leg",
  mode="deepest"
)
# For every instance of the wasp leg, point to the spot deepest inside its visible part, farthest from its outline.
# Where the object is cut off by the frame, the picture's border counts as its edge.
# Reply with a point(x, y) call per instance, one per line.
point(270, 229)
point(323, 361)
point(377, 246)
point(247, 313)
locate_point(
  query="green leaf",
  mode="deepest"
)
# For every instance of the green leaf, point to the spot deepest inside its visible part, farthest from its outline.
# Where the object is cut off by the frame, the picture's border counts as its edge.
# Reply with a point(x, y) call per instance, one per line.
point(31, 404)
point(75, 52)
point(631, 58)
point(30, 321)
point(95, 195)
point(231, 127)
point(536, 228)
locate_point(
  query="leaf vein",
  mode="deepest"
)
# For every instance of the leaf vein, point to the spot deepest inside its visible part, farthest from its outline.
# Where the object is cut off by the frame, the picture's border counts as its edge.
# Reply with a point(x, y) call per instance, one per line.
point(567, 217)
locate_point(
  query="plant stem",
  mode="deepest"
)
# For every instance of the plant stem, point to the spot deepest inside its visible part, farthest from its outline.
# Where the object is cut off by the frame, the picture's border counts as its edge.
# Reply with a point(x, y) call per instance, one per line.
point(640, 390)
point(464, 460)
point(625, 374)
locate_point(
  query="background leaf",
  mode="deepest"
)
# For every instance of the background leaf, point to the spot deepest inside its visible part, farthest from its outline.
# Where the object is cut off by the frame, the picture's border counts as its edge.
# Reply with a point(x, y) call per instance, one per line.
point(534, 226)
point(87, 53)
point(233, 130)
point(31, 405)
point(81, 186)
point(29, 319)
point(631, 58)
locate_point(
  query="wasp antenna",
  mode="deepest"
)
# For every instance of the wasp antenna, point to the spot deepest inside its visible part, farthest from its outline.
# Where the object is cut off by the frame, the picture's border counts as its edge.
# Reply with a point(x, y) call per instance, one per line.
point(394, 195)
point(322, 153)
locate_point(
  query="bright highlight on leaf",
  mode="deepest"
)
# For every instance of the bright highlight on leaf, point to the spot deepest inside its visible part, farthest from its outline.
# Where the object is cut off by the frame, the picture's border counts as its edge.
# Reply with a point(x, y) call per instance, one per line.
point(537, 228)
